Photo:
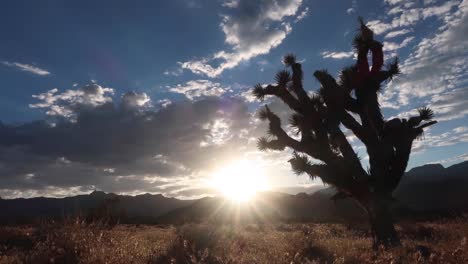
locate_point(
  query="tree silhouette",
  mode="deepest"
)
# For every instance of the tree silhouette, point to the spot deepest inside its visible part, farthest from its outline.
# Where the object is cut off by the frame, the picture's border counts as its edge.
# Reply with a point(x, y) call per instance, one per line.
point(319, 120)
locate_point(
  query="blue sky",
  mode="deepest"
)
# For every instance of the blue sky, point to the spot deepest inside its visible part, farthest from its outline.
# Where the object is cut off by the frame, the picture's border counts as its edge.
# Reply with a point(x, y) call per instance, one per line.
point(154, 55)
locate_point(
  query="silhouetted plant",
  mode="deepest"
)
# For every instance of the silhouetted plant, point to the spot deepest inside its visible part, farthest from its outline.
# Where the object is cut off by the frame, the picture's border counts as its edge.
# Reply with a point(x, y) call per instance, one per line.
point(319, 118)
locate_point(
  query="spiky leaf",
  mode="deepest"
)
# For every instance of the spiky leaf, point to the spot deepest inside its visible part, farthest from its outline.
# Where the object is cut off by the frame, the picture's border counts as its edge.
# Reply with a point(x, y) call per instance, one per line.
point(299, 163)
point(295, 120)
point(393, 68)
point(364, 37)
point(276, 144)
point(346, 76)
point(282, 77)
point(263, 113)
point(262, 144)
point(289, 59)
point(259, 92)
point(316, 99)
point(426, 113)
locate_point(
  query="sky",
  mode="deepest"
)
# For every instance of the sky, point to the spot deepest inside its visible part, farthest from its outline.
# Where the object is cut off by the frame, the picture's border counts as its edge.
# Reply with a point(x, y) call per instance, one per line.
point(155, 96)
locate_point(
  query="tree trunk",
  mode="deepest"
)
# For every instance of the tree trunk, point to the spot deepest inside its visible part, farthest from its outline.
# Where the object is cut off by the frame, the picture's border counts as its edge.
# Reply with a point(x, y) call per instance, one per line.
point(382, 223)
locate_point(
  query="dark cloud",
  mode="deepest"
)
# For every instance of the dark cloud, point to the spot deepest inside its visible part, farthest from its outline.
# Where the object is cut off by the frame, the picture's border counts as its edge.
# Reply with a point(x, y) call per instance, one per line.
point(111, 147)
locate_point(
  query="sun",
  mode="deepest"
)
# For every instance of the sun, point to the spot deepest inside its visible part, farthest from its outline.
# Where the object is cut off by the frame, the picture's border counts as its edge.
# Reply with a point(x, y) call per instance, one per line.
point(239, 181)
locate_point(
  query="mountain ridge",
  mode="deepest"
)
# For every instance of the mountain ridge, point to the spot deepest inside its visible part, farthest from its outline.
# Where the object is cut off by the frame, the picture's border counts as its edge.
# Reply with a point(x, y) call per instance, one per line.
point(428, 188)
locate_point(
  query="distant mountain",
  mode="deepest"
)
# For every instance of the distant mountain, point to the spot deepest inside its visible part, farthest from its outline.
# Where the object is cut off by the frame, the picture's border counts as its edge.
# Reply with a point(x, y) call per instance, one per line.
point(267, 207)
point(300, 189)
point(141, 208)
point(435, 188)
point(425, 190)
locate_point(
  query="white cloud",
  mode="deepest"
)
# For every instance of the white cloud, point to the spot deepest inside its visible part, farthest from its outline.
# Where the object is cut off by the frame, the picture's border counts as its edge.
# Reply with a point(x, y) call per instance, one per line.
point(407, 17)
point(198, 88)
point(456, 159)
point(393, 46)
point(394, 2)
point(436, 72)
point(164, 102)
point(404, 14)
point(451, 104)
point(231, 3)
point(175, 72)
point(248, 96)
point(439, 10)
point(397, 33)
point(134, 100)
point(302, 15)
point(27, 68)
point(337, 54)
point(452, 137)
point(461, 129)
point(219, 132)
point(70, 102)
point(353, 8)
point(251, 28)
point(379, 26)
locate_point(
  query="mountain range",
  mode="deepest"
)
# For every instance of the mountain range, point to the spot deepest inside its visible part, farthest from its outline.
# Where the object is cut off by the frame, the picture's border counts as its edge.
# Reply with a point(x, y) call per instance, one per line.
point(427, 190)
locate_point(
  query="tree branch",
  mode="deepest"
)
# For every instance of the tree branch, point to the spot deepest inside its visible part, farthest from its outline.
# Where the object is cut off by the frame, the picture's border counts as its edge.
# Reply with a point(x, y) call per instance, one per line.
point(297, 83)
point(350, 156)
point(297, 75)
point(351, 104)
point(276, 130)
point(314, 148)
point(280, 92)
point(350, 123)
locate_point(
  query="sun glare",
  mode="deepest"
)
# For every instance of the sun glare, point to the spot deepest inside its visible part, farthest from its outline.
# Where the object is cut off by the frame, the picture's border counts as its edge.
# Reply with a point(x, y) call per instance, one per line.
point(239, 181)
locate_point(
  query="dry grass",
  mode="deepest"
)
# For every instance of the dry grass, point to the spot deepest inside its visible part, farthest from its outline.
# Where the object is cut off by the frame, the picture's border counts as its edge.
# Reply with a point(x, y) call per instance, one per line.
point(76, 242)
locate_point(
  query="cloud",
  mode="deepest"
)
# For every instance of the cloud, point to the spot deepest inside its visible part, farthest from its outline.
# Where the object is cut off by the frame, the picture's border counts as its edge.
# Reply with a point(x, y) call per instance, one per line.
point(404, 14)
point(457, 159)
point(435, 72)
point(450, 104)
point(337, 54)
point(449, 138)
point(397, 33)
point(393, 46)
point(164, 102)
point(26, 67)
point(394, 2)
point(378, 26)
point(302, 15)
point(461, 129)
point(218, 132)
point(176, 72)
point(248, 96)
point(109, 148)
point(69, 103)
point(199, 88)
point(251, 28)
point(353, 8)
point(134, 100)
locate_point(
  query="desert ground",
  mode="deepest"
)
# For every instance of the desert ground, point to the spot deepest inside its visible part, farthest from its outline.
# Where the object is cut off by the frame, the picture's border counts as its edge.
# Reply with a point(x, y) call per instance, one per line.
point(440, 241)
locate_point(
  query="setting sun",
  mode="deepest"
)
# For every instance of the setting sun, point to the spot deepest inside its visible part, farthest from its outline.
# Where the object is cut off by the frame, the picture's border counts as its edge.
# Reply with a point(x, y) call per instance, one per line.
point(239, 181)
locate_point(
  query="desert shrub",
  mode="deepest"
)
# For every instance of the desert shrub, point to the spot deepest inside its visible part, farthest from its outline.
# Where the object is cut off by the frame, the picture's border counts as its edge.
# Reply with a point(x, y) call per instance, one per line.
point(11, 237)
point(79, 242)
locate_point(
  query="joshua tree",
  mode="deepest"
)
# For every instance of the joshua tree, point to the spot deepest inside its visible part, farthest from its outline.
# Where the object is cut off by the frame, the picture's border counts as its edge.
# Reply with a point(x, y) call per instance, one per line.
point(350, 102)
